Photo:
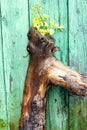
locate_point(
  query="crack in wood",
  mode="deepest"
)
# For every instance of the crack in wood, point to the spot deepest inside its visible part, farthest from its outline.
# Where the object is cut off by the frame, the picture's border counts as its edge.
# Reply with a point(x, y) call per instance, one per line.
point(44, 69)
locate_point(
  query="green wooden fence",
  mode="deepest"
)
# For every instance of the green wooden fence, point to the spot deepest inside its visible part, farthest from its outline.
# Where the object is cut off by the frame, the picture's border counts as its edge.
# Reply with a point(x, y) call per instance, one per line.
point(65, 111)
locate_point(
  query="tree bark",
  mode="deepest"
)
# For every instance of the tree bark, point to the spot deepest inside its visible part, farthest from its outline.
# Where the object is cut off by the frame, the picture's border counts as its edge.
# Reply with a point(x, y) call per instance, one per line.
point(44, 69)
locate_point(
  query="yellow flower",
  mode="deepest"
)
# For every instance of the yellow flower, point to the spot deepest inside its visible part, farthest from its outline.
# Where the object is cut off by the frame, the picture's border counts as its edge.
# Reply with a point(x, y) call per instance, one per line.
point(54, 25)
point(41, 21)
point(51, 31)
point(45, 24)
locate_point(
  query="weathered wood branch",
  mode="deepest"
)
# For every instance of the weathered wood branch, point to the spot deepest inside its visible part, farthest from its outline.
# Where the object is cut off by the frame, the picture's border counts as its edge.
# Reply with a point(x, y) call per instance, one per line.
point(45, 69)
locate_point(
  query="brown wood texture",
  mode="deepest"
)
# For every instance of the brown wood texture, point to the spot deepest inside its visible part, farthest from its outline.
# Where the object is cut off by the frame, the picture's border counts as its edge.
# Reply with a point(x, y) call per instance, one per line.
point(44, 69)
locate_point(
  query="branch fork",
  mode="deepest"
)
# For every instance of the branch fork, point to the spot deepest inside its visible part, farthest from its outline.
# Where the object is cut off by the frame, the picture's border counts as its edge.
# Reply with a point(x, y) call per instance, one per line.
point(44, 69)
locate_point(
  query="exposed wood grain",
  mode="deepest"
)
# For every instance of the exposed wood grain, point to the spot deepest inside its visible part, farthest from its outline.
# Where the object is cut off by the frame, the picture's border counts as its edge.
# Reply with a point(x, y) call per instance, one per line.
point(15, 26)
point(57, 11)
point(44, 69)
point(58, 97)
point(78, 60)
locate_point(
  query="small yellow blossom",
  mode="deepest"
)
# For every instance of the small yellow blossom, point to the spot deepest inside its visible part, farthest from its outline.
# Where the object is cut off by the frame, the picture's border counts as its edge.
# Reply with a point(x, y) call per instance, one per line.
point(42, 22)
point(54, 25)
point(51, 31)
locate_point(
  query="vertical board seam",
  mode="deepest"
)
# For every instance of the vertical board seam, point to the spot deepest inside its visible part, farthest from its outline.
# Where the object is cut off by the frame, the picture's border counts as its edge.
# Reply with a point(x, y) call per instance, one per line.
point(68, 50)
point(3, 67)
point(59, 13)
point(28, 14)
point(68, 27)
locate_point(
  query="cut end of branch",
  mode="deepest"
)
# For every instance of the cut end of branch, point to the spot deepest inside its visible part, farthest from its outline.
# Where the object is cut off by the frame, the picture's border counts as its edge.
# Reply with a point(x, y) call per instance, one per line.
point(40, 44)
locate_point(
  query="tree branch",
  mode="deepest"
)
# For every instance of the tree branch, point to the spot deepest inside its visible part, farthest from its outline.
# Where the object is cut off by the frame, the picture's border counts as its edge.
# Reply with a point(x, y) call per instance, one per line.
point(45, 69)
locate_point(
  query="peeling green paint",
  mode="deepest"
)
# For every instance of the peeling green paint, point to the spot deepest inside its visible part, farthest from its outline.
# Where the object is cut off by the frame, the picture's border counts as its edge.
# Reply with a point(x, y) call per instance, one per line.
point(65, 112)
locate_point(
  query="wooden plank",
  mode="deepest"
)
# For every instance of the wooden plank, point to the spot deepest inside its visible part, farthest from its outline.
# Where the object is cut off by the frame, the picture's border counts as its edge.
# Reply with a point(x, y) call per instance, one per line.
point(15, 26)
point(57, 113)
point(3, 112)
point(78, 60)
point(57, 118)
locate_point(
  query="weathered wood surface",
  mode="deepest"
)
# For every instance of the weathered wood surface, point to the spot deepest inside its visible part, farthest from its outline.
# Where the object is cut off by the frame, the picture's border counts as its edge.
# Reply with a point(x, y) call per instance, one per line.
point(67, 112)
point(44, 70)
point(15, 24)
point(58, 103)
point(78, 60)
point(3, 108)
